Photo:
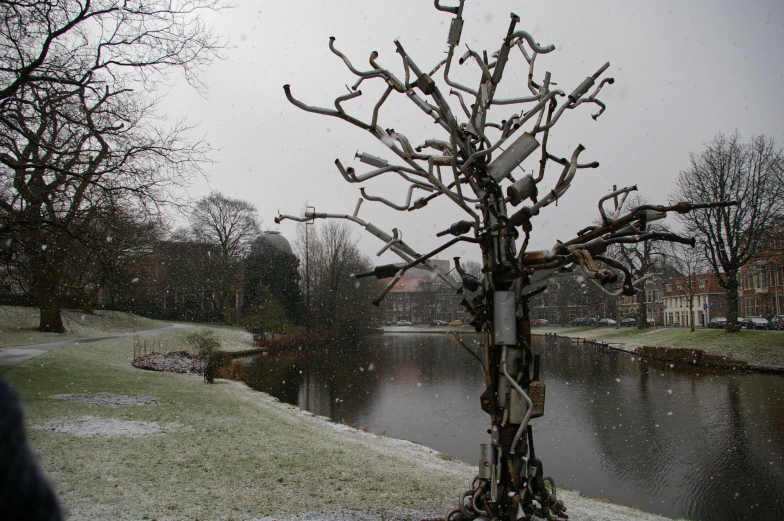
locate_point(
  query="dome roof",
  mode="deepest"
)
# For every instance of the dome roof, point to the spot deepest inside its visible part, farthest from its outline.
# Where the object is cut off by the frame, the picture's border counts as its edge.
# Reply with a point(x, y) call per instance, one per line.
point(274, 238)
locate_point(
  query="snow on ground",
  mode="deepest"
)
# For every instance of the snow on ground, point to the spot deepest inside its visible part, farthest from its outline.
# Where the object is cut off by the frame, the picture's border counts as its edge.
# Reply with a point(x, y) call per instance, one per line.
point(224, 451)
point(171, 362)
point(583, 510)
point(108, 399)
point(98, 427)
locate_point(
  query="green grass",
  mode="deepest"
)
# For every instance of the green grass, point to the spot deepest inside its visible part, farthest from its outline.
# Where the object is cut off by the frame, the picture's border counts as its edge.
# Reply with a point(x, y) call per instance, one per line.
point(227, 452)
point(18, 325)
point(756, 347)
point(232, 338)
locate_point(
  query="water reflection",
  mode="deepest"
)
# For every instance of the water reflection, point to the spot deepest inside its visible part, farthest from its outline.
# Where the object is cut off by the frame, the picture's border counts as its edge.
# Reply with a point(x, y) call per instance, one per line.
point(676, 441)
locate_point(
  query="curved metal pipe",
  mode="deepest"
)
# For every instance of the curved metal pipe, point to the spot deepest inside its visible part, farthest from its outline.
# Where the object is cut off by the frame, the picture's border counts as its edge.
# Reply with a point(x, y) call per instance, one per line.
point(451, 83)
point(508, 125)
point(326, 112)
point(611, 195)
point(523, 35)
point(389, 203)
point(346, 97)
point(391, 78)
point(381, 101)
point(519, 389)
point(563, 182)
point(476, 494)
point(485, 71)
point(368, 74)
point(454, 92)
point(453, 10)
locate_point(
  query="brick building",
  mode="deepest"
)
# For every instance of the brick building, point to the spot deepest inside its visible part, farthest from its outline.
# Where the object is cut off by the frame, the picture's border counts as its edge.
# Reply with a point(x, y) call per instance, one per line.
point(709, 300)
point(175, 280)
point(762, 280)
point(654, 303)
point(419, 297)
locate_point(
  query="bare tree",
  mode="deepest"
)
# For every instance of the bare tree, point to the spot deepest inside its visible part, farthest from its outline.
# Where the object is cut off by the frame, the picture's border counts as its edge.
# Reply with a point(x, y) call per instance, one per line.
point(688, 263)
point(643, 260)
point(76, 141)
point(230, 224)
point(730, 236)
point(338, 302)
point(65, 163)
point(72, 43)
point(115, 243)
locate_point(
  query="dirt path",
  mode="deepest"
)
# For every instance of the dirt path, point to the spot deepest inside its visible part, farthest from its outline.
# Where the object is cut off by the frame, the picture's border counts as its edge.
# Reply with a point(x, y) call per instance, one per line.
point(11, 357)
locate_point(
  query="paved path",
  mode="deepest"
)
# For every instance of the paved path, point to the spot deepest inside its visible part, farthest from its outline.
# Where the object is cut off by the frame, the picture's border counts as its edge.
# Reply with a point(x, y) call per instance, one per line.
point(10, 357)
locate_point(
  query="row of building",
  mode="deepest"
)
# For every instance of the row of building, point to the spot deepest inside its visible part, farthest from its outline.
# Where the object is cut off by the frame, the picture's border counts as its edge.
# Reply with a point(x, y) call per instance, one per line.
point(419, 298)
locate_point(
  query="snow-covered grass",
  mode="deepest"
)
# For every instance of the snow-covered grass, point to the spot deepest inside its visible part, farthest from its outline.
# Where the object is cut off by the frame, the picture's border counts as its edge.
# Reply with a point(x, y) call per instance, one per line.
point(223, 451)
point(755, 347)
point(18, 325)
point(231, 338)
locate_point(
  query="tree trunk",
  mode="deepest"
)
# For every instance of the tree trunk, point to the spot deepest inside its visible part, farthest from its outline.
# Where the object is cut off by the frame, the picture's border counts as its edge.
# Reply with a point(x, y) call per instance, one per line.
point(642, 318)
point(691, 312)
point(51, 317)
point(46, 283)
point(731, 287)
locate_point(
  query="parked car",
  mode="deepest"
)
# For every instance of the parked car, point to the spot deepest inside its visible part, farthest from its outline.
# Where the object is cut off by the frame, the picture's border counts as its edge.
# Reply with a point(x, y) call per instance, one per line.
point(534, 322)
point(607, 322)
point(404, 323)
point(583, 322)
point(717, 323)
point(439, 323)
point(777, 323)
point(456, 323)
point(629, 322)
point(753, 323)
point(544, 322)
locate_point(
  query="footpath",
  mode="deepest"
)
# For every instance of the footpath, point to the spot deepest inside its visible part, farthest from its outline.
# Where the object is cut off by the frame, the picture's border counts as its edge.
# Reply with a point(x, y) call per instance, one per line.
point(11, 357)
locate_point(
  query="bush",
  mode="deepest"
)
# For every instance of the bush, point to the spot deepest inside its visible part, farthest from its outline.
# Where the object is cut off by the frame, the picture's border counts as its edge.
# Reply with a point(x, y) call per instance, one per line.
point(207, 349)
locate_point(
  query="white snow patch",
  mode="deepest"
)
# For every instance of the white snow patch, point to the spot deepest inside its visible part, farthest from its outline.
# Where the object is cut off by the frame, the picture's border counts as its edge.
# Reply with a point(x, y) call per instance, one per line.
point(111, 400)
point(97, 427)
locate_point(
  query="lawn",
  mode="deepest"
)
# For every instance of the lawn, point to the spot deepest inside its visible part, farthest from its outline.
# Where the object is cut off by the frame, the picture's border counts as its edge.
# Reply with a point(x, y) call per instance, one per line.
point(18, 325)
point(756, 347)
point(225, 452)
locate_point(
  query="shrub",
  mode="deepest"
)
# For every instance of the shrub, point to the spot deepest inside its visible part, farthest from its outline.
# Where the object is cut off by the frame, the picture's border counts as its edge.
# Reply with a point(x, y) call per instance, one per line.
point(207, 349)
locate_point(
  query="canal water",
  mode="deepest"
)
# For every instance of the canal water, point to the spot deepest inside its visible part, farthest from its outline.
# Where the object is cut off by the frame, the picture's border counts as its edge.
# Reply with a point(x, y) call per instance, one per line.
point(699, 443)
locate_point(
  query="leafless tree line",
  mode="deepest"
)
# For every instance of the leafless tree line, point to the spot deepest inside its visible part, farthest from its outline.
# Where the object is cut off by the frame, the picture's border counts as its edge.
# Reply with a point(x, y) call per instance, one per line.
point(85, 157)
point(727, 238)
point(335, 301)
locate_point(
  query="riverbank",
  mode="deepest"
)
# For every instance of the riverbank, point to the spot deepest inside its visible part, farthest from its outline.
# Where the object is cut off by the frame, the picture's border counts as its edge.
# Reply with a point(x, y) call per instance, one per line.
point(428, 329)
point(222, 451)
point(749, 350)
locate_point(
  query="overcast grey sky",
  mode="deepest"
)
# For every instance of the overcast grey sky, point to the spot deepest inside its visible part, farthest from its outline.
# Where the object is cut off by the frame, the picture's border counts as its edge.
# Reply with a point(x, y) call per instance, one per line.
point(684, 71)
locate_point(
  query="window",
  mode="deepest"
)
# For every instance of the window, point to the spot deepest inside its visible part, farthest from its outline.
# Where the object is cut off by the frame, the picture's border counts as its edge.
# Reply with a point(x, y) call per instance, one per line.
point(702, 283)
point(668, 288)
point(761, 280)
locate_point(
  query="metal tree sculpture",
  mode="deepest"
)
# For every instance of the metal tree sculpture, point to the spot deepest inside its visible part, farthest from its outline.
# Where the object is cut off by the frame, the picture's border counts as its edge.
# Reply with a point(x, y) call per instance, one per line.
point(510, 483)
